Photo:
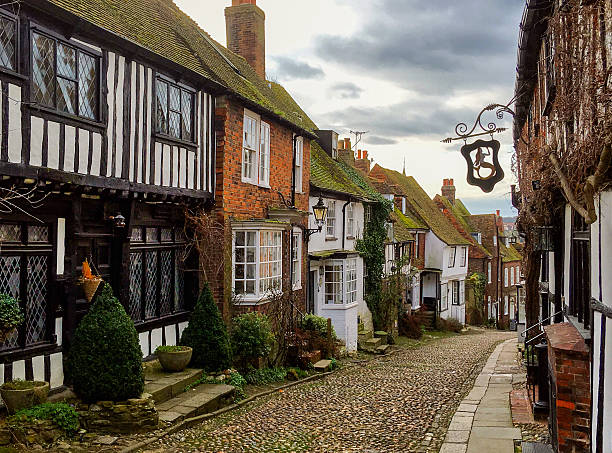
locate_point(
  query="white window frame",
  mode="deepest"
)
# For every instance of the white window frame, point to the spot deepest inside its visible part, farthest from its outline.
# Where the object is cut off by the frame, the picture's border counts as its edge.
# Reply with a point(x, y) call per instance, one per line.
point(463, 256)
point(461, 292)
point(336, 297)
point(494, 241)
point(296, 258)
point(512, 276)
point(489, 269)
point(506, 277)
point(351, 281)
point(518, 274)
point(404, 205)
point(258, 148)
point(444, 296)
point(452, 257)
point(299, 164)
point(331, 222)
point(273, 257)
point(350, 220)
point(506, 308)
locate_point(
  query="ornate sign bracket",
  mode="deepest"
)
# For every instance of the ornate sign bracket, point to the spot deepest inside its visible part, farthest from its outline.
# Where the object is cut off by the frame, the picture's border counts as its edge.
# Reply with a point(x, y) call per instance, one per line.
point(482, 172)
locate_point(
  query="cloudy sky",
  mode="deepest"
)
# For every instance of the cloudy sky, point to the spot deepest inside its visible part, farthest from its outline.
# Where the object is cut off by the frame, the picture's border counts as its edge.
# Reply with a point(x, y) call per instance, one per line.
point(406, 71)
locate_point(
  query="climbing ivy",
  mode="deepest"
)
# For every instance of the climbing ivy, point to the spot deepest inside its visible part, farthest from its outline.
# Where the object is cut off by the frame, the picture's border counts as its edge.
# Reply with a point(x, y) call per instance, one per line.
point(372, 249)
point(479, 282)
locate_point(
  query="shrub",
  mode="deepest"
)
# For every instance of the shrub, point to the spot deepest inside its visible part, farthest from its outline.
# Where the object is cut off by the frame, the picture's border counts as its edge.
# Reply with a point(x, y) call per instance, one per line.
point(11, 315)
point(449, 325)
point(207, 335)
point(105, 359)
point(252, 337)
point(410, 326)
point(62, 414)
point(294, 374)
point(266, 376)
point(333, 364)
point(171, 349)
point(317, 324)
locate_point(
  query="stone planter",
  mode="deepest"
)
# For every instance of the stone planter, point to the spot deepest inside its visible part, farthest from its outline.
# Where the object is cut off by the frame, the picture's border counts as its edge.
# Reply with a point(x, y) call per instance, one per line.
point(22, 398)
point(175, 360)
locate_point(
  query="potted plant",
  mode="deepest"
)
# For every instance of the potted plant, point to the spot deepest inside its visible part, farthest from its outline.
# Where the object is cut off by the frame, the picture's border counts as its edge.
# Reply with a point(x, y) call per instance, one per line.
point(174, 358)
point(20, 394)
point(11, 316)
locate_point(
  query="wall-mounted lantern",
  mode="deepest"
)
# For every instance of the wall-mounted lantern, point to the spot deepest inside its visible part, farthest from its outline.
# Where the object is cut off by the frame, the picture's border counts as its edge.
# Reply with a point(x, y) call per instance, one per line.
point(320, 214)
point(118, 220)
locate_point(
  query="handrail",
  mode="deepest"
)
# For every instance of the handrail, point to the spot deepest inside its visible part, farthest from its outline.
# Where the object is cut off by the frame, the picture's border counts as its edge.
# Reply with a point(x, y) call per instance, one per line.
point(534, 338)
point(540, 323)
point(601, 308)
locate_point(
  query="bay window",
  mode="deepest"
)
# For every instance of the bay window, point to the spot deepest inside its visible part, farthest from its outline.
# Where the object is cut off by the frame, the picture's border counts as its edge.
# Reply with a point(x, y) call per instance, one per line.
point(257, 262)
point(340, 287)
point(351, 281)
point(255, 150)
point(65, 77)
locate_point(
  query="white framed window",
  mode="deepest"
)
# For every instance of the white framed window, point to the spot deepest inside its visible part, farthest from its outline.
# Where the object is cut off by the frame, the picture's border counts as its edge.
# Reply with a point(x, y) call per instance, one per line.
point(333, 283)
point(506, 277)
point(350, 220)
point(331, 219)
point(257, 262)
point(444, 297)
point(451, 257)
point(456, 289)
point(463, 256)
point(512, 276)
point(351, 281)
point(518, 274)
point(461, 292)
point(494, 241)
point(403, 205)
point(299, 161)
point(490, 311)
point(477, 237)
point(255, 150)
point(489, 271)
point(506, 308)
point(296, 259)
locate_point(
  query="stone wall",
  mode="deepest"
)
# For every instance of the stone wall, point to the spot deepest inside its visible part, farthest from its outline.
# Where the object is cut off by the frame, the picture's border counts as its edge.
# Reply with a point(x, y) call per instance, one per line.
point(133, 415)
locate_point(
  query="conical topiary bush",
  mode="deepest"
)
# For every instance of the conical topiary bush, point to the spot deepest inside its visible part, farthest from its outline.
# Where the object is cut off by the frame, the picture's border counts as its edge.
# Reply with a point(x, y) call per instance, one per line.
point(207, 335)
point(105, 359)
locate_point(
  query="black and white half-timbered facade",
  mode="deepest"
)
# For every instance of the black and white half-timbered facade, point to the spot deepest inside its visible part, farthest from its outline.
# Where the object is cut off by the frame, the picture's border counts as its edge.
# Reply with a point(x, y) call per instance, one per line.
point(104, 144)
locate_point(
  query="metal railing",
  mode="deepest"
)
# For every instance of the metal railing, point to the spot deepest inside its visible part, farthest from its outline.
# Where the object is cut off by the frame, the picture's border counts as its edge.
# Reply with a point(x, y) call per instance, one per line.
point(539, 324)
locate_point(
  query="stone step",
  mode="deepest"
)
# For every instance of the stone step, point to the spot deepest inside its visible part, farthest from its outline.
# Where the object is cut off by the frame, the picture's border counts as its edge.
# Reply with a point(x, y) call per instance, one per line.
point(203, 399)
point(365, 335)
point(382, 335)
point(164, 386)
point(382, 349)
point(373, 343)
point(322, 365)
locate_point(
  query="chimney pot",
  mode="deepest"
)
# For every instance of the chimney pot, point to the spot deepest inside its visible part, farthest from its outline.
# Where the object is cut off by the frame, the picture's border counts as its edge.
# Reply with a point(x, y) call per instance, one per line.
point(497, 212)
point(358, 154)
point(347, 144)
point(451, 182)
point(245, 27)
point(448, 190)
point(365, 154)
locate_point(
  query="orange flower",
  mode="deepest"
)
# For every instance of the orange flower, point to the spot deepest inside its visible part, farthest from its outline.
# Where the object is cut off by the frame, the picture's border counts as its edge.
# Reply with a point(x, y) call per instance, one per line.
point(87, 270)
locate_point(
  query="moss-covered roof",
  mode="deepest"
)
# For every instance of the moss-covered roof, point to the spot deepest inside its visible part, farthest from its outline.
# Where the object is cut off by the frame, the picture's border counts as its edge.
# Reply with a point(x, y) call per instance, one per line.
point(509, 254)
point(327, 174)
point(424, 207)
point(401, 226)
point(363, 182)
point(162, 28)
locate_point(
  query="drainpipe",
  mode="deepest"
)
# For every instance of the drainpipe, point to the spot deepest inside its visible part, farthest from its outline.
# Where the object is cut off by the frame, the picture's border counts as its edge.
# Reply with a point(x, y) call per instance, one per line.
point(344, 221)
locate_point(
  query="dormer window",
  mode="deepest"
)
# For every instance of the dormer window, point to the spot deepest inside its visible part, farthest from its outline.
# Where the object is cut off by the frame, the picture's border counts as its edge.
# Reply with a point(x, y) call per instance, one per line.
point(174, 110)
point(65, 77)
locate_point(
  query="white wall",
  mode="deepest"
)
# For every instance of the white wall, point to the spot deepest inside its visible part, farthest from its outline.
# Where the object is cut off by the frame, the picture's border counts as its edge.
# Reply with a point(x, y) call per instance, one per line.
point(319, 241)
point(434, 251)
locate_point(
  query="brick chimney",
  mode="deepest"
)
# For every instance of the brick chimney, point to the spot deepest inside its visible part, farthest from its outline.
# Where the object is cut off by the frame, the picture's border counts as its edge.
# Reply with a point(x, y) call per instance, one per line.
point(363, 163)
point(448, 190)
point(246, 33)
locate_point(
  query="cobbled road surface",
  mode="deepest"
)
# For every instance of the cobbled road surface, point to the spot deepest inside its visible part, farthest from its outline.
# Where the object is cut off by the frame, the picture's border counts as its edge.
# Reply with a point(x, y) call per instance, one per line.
point(402, 402)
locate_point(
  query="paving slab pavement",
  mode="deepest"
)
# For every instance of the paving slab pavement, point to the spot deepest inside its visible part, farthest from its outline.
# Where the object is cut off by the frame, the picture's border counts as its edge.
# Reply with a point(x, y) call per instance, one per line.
point(483, 421)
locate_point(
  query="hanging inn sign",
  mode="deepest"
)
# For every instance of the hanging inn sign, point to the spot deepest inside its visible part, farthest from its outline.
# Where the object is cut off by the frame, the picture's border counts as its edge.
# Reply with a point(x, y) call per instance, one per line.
point(482, 156)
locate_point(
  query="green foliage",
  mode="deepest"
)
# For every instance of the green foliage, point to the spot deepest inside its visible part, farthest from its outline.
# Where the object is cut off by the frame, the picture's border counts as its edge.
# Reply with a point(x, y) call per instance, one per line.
point(252, 336)
point(295, 373)
point(334, 365)
point(11, 315)
point(62, 414)
point(372, 249)
point(207, 335)
point(239, 383)
point(18, 384)
point(479, 283)
point(266, 376)
point(171, 349)
point(105, 359)
point(317, 324)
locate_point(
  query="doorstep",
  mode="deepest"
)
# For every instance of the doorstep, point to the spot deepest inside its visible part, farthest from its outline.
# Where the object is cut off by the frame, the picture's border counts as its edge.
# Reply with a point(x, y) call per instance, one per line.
point(203, 399)
point(164, 385)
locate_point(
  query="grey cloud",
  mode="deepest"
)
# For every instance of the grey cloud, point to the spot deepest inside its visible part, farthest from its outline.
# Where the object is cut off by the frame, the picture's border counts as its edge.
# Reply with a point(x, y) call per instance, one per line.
point(346, 90)
point(377, 140)
point(289, 68)
point(435, 45)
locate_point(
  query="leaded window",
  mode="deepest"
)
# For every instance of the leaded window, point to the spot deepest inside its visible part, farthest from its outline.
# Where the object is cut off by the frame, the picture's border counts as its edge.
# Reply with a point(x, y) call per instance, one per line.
point(25, 257)
point(65, 77)
point(157, 276)
point(174, 110)
point(8, 42)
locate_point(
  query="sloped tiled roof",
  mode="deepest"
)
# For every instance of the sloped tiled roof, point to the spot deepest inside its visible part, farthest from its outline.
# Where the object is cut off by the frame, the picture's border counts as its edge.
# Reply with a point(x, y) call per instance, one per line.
point(401, 227)
point(509, 254)
point(162, 28)
point(424, 207)
point(327, 174)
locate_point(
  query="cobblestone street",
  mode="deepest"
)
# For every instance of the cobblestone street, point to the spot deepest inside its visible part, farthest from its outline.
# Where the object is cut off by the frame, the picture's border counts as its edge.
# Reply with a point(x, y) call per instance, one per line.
point(398, 403)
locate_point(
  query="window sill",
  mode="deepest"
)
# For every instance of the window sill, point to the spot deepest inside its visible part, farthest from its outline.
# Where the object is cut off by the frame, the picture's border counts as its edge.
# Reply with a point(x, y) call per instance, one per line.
point(350, 238)
point(66, 116)
point(339, 306)
point(174, 141)
point(330, 238)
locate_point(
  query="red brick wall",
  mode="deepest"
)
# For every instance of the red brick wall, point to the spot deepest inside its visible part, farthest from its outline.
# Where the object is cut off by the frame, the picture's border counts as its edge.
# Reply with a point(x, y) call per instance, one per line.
point(239, 201)
point(568, 359)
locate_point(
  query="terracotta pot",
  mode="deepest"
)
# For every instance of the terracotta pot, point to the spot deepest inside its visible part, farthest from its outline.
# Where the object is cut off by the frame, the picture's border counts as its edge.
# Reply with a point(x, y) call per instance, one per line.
point(174, 360)
point(16, 400)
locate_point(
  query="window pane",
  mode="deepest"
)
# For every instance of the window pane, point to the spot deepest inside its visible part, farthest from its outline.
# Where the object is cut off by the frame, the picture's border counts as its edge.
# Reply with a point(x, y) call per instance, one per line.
point(66, 95)
point(43, 85)
point(66, 61)
point(166, 282)
point(179, 280)
point(175, 99)
point(88, 89)
point(174, 124)
point(151, 285)
point(10, 233)
point(187, 106)
point(38, 233)
point(135, 286)
point(7, 43)
point(36, 307)
point(162, 106)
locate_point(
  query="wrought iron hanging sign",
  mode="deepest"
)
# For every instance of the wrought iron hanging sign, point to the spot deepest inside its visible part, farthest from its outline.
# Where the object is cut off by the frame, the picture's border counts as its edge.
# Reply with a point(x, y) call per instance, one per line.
point(484, 170)
point(482, 156)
